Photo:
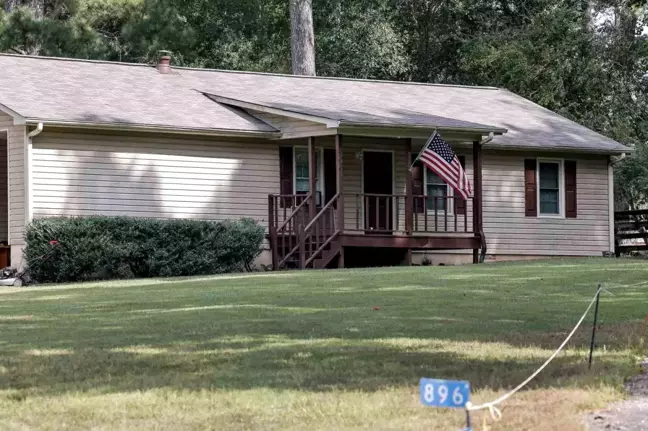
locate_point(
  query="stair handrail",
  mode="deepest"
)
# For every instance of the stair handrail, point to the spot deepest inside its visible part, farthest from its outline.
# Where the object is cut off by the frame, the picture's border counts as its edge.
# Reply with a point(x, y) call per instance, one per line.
point(280, 230)
point(310, 225)
point(319, 214)
point(298, 208)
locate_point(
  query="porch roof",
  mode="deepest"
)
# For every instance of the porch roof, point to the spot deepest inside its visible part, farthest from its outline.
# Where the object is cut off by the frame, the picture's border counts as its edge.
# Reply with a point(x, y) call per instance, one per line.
point(343, 115)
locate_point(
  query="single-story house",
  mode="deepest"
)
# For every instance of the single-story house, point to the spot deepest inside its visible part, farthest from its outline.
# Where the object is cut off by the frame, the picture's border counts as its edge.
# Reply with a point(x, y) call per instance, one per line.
point(323, 163)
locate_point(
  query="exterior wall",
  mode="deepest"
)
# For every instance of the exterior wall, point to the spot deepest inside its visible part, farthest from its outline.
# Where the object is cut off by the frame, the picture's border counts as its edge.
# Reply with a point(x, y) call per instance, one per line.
point(215, 179)
point(152, 176)
point(293, 127)
point(509, 232)
point(507, 229)
point(17, 184)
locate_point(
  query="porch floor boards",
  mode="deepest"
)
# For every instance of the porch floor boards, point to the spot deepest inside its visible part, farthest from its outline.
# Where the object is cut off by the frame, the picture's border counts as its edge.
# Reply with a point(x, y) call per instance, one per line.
point(437, 241)
point(414, 242)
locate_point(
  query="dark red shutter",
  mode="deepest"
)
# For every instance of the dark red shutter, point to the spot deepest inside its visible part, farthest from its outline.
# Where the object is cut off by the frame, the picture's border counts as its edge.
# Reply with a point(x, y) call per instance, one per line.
point(286, 174)
point(530, 188)
point(570, 189)
point(417, 185)
point(459, 202)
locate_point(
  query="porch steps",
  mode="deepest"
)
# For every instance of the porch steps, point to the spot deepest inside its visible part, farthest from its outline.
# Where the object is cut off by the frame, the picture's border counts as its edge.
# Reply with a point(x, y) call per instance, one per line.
point(328, 254)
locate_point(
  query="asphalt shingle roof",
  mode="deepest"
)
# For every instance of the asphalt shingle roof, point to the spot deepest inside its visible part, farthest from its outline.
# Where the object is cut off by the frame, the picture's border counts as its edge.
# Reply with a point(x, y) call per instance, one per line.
point(101, 92)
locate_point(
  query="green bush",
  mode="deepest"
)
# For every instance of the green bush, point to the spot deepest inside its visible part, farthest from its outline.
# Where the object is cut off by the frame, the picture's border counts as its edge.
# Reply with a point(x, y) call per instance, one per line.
point(102, 248)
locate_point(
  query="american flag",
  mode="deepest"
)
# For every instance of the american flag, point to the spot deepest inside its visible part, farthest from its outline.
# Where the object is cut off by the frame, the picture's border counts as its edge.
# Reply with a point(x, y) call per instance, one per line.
point(440, 159)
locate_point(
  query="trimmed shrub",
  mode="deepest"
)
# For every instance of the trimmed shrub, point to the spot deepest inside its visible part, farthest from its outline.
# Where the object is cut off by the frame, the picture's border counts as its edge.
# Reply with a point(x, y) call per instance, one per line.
point(67, 249)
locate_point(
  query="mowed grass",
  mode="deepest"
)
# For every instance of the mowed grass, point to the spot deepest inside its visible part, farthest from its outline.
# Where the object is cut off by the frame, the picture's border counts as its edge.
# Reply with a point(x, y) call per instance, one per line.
point(309, 350)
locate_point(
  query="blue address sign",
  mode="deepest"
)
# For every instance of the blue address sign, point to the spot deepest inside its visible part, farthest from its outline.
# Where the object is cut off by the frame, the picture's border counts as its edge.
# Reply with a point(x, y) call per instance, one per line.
point(444, 393)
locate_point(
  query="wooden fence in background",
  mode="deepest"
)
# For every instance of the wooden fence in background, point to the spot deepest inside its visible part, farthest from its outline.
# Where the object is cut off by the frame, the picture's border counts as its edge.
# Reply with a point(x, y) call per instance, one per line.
point(630, 231)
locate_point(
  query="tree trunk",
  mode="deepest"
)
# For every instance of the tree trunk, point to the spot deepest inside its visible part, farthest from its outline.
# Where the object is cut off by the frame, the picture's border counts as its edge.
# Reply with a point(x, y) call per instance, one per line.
point(38, 6)
point(10, 5)
point(302, 39)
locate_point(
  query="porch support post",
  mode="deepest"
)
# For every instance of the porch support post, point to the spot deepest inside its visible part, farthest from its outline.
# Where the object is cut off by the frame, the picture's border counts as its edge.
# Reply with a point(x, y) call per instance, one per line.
point(477, 198)
point(312, 179)
point(339, 179)
point(409, 200)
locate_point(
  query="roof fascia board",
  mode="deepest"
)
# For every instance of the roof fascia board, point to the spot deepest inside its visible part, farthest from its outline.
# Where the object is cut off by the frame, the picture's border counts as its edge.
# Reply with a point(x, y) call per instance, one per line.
point(19, 120)
point(157, 129)
point(504, 147)
point(276, 111)
point(406, 132)
point(481, 130)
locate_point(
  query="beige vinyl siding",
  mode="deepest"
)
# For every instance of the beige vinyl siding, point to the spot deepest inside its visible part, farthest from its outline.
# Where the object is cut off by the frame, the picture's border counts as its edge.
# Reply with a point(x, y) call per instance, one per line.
point(216, 179)
point(507, 229)
point(293, 127)
point(152, 176)
point(16, 188)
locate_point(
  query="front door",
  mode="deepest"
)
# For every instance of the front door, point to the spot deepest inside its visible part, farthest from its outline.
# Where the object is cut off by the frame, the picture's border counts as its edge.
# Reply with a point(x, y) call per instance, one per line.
point(378, 188)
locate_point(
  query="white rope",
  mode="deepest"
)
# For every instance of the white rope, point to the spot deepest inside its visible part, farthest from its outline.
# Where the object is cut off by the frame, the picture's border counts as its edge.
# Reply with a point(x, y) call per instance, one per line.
point(496, 414)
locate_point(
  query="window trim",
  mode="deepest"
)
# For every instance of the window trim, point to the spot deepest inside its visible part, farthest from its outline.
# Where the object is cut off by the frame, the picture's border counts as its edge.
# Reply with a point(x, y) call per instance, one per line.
point(449, 192)
point(561, 188)
point(319, 183)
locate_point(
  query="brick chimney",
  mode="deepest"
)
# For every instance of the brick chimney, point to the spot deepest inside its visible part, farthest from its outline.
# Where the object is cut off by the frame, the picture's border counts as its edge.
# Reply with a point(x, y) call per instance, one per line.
point(164, 62)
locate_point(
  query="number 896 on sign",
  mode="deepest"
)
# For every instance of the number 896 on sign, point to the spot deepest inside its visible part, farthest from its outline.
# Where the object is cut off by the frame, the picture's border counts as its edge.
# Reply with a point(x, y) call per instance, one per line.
point(444, 393)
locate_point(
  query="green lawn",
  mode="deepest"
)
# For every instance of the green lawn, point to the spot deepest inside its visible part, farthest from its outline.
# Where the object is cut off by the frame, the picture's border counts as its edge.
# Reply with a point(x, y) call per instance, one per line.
point(307, 350)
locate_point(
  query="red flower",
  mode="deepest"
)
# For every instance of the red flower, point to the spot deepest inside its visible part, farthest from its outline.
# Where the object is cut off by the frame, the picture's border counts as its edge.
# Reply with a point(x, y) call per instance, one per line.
point(53, 242)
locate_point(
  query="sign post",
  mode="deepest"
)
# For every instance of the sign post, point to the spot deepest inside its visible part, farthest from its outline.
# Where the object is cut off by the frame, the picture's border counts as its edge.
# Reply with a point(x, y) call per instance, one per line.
point(446, 393)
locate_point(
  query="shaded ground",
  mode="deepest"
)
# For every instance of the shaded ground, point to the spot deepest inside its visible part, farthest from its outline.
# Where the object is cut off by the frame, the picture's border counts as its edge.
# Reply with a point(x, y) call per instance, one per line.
point(317, 349)
point(628, 415)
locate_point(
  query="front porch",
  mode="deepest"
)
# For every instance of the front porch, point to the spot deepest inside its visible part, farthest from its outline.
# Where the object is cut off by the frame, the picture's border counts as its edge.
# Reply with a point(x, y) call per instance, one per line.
point(315, 229)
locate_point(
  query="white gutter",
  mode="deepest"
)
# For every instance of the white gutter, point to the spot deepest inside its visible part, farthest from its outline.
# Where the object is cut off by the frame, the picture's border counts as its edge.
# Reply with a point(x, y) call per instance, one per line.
point(159, 129)
point(611, 198)
point(29, 189)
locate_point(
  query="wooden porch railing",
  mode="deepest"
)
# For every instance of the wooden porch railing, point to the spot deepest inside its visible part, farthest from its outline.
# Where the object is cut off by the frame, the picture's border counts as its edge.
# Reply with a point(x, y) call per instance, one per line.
point(294, 238)
point(383, 214)
point(287, 215)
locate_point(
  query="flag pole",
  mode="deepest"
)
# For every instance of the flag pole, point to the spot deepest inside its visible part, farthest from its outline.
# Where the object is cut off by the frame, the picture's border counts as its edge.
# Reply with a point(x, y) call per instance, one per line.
point(423, 149)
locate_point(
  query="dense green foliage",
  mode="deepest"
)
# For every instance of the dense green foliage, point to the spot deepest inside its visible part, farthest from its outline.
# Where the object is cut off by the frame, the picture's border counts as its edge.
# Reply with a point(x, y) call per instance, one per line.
point(585, 59)
point(102, 248)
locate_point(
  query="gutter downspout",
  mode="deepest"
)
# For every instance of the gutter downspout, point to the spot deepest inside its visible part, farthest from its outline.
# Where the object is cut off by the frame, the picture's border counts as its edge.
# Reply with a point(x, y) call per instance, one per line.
point(37, 131)
point(486, 140)
point(29, 192)
point(613, 160)
point(484, 245)
point(616, 159)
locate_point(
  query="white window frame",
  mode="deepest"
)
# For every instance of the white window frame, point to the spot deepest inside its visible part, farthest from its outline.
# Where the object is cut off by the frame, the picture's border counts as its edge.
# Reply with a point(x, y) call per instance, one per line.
point(450, 193)
point(561, 188)
point(319, 183)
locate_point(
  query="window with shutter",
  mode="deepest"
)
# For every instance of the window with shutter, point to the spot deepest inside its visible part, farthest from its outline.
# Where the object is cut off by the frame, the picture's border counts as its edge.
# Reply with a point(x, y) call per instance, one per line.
point(417, 185)
point(427, 183)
